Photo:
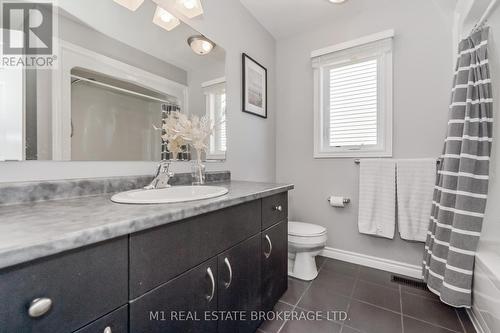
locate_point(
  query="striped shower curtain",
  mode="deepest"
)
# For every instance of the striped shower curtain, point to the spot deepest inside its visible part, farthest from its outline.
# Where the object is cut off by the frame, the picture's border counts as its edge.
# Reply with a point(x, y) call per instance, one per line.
point(462, 179)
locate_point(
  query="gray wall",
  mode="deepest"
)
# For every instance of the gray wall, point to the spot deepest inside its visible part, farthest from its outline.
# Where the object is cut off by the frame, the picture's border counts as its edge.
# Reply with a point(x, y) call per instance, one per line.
point(422, 83)
point(84, 36)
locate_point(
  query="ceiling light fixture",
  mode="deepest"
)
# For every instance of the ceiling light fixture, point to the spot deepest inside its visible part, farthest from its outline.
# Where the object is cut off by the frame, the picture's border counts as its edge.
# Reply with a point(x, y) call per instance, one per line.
point(130, 4)
point(189, 8)
point(337, 1)
point(165, 19)
point(200, 44)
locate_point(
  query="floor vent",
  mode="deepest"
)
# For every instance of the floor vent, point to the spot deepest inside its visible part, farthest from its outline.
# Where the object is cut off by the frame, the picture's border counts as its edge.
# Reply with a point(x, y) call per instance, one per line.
point(417, 284)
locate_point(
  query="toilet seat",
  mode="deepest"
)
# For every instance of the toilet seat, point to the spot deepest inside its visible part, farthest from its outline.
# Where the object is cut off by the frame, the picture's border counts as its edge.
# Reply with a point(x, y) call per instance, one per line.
point(301, 229)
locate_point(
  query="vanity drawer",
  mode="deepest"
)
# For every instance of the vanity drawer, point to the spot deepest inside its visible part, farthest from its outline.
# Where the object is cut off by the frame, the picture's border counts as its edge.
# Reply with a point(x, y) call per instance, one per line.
point(115, 322)
point(274, 209)
point(160, 254)
point(81, 285)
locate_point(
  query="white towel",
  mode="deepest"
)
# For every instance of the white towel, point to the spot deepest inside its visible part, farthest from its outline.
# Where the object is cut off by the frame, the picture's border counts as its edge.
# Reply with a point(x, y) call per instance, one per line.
point(415, 182)
point(377, 197)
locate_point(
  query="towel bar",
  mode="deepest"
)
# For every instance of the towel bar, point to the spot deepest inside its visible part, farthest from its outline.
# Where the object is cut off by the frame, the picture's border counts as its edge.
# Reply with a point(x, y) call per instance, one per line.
point(357, 161)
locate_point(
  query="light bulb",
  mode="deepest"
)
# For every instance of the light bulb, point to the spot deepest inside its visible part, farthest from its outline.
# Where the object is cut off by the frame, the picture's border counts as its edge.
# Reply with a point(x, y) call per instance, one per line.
point(206, 46)
point(189, 4)
point(165, 16)
point(200, 44)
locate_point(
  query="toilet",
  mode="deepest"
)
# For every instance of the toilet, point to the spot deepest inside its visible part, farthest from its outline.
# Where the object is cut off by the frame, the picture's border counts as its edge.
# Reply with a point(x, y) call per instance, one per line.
point(305, 242)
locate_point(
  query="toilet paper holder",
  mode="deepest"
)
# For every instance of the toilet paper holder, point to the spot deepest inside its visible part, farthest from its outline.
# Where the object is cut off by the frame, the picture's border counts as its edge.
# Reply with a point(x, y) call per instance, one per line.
point(345, 201)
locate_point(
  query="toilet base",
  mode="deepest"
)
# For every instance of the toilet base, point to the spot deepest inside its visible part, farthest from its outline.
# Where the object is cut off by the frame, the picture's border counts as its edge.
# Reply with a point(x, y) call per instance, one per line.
point(302, 265)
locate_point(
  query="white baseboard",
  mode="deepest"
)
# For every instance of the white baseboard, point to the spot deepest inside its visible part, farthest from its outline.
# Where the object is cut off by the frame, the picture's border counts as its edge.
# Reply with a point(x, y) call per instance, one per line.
point(392, 266)
point(475, 321)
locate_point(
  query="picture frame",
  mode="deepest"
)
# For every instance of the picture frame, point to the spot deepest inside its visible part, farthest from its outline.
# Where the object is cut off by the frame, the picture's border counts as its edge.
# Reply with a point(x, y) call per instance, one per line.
point(254, 87)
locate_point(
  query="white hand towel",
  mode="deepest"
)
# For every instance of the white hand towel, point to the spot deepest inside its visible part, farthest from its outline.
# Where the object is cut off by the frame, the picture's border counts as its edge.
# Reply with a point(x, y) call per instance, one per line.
point(415, 183)
point(377, 197)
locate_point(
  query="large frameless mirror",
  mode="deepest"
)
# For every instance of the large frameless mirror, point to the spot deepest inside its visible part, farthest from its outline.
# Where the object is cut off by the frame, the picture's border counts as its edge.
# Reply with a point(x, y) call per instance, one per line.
point(119, 75)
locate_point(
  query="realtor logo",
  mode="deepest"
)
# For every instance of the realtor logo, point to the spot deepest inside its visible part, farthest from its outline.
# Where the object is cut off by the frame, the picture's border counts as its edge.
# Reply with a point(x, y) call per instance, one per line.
point(35, 20)
point(28, 30)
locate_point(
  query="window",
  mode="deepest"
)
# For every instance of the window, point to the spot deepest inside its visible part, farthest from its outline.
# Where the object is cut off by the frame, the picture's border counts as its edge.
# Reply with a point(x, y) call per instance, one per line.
point(353, 98)
point(215, 97)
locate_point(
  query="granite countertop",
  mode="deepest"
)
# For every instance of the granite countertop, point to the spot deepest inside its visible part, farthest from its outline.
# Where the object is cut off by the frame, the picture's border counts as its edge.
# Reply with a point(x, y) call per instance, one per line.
point(34, 230)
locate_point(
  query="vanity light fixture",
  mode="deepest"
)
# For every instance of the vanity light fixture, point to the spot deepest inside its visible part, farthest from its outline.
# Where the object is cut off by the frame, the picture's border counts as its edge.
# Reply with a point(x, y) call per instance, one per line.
point(130, 4)
point(165, 19)
point(200, 44)
point(189, 8)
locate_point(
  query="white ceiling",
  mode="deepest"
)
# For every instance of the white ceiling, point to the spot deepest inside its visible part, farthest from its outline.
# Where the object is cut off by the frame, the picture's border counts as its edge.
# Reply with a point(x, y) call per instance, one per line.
point(283, 18)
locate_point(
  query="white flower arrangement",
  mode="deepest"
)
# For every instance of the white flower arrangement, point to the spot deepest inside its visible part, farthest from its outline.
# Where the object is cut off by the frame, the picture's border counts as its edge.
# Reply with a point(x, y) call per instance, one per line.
point(179, 130)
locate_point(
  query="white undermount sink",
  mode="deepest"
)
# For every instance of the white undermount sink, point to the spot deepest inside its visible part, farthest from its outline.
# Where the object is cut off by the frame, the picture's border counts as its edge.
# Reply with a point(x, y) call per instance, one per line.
point(169, 195)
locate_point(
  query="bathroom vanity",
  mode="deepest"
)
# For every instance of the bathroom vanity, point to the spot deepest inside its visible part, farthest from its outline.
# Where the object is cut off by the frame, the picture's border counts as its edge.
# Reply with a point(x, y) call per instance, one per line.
point(86, 264)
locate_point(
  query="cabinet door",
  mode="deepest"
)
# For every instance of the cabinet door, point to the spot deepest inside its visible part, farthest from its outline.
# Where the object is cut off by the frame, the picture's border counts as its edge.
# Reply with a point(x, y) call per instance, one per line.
point(73, 289)
point(274, 264)
point(240, 286)
point(114, 322)
point(179, 305)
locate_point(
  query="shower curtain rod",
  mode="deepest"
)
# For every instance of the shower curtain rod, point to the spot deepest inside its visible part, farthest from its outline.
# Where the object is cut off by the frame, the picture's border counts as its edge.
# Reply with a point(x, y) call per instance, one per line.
point(486, 14)
point(122, 90)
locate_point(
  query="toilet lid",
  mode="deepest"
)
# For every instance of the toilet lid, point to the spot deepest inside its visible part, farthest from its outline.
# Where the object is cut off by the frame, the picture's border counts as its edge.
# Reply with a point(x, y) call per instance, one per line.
point(305, 229)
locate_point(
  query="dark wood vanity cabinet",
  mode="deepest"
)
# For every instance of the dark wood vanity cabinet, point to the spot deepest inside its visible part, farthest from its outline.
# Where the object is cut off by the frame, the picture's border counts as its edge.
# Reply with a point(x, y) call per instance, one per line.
point(179, 305)
point(64, 292)
point(274, 209)
point(274, 264)
point(209, 273)
point(114, 322)
point(160, 254)
point(239, 286)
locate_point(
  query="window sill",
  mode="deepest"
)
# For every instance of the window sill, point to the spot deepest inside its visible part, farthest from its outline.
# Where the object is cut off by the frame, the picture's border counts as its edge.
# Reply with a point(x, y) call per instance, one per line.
point(352, 154)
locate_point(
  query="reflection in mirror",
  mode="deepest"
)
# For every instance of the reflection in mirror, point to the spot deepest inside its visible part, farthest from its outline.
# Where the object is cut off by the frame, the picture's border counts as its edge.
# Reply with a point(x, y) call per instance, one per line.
point(112, 89)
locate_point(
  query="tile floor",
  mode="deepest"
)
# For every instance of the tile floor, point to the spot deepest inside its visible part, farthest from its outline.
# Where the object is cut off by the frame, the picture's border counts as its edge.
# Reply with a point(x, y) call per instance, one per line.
point(373, 303)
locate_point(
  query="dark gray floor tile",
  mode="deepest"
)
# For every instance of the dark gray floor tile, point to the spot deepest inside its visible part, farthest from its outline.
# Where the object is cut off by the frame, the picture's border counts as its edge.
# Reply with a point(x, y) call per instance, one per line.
point(347, 329)
point(319, 261)
point(335, 282)
point(420, 292)
point(340, 267)
point(416, 326)
point(310, 326)
point(377, 276)
point(273, 326)
point(295, 290)
point(466, 322)
point(430, 311)
point(377, 295)
point(370, 319)
point(320, 298)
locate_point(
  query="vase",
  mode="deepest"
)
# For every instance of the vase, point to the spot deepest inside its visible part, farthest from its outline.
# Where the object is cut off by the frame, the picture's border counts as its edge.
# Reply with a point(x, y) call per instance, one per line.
point(197, 172)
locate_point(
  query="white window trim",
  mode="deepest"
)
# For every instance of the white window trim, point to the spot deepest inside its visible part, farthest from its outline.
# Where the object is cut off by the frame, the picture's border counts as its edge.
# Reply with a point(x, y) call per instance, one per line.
point(214, 154)
point(336, 54)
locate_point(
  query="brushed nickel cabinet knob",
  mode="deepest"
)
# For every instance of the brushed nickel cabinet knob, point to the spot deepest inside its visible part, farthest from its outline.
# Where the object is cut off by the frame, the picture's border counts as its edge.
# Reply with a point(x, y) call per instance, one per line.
point(39, 307)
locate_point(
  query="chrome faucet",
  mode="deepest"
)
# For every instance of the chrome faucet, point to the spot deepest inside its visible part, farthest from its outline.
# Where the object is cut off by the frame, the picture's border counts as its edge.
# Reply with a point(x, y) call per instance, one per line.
point(162, 177)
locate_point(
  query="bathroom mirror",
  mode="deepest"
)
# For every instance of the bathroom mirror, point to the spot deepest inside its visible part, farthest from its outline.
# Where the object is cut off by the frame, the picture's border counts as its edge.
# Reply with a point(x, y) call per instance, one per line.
point(111, 88)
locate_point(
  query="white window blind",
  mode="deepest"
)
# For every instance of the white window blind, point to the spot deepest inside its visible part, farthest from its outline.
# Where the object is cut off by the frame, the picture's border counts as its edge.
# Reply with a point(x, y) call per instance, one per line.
point(353, 104)
point(353, 98)
point(215, 95)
